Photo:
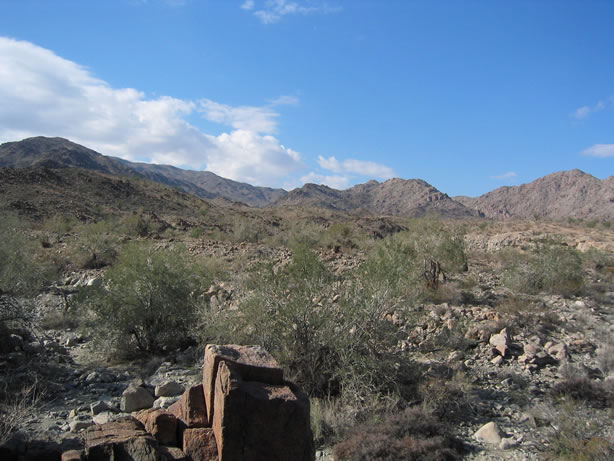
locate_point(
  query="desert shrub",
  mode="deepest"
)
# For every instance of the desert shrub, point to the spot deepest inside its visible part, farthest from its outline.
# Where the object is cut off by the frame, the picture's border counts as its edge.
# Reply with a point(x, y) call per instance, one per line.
point(16, 407)
point(148, 301)
point(410, 435)
point(577, 439)
point(583, 389)
point(552, 268)
point(245, 231)
point(448, 398)
point(21, 274)
point(329, 344)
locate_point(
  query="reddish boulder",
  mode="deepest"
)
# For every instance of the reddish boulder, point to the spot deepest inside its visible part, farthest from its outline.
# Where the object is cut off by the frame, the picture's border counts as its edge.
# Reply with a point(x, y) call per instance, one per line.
point(121, 440)
point(161, 424)
point(254, 363)
point(258, 421)
point(190, 408)
point(199, 444)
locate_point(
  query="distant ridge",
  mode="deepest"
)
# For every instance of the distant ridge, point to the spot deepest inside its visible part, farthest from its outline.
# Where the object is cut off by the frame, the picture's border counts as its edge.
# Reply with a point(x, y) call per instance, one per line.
point(395, 197)
point(565, 194)
point(556, 196)
point(62, 153)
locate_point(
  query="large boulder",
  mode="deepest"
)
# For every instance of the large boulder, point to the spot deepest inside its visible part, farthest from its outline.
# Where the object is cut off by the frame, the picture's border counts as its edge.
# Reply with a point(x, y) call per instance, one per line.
point(254, 363)
point(199, 444)
point(161, 424)
point(190, 409)
point(136, 398)
point(259, 421)
point(122, 440)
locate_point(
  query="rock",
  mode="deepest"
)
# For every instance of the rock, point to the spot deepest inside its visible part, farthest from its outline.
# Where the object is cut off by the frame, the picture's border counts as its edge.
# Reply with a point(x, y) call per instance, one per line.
point(136, 398)
point(106, 417)
point(190, 409)
point(79, 425)
point(169, 389)
point(489, 433)
point(98, 407)
point(166, 402)
point(172, 454)
point(501, 341)
point(161, 424)
point(72, 455)
point(120, 440)
point(199, 443)
point(253, 362)
point(498, 360)
point(558, 351)
point(456, 356)
point(507, 443)
point(254, 420)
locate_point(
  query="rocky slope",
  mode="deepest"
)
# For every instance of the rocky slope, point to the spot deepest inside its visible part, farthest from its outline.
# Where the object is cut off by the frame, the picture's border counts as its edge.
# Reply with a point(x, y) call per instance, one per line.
point(395, 197)
point(556, 196)
point(62, 153)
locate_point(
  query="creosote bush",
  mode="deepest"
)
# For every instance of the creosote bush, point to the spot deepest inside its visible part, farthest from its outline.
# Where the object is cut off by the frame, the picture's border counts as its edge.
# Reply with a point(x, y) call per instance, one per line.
point(22, 276)
point(329, 334)
point(552, 268)
point(148, 302)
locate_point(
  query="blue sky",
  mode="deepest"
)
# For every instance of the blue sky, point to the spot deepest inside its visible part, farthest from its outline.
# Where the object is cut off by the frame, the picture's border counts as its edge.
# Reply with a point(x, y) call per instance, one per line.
point(467, 95)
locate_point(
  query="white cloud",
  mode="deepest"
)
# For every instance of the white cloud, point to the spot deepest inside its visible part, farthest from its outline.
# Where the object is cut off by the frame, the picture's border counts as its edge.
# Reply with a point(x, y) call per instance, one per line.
point(360, 167)
point(336, 182)
point(506, 175)
point(255, 159)
point(600, 150)
point(285, 100)
point(274, 10)
point(44, 94)
point(582, 112)
point(252, 118)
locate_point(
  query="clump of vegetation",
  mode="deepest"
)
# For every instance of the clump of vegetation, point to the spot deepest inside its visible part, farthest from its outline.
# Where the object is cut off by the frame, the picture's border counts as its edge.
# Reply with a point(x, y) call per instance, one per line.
point(22, 276)
point(576, 439)
point(331, 339)
point(411, 434)
point(148, 302)
point(552, 267)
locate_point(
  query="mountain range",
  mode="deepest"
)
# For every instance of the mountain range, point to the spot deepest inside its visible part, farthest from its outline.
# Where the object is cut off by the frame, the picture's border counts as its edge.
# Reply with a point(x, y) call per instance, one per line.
point(556, 196)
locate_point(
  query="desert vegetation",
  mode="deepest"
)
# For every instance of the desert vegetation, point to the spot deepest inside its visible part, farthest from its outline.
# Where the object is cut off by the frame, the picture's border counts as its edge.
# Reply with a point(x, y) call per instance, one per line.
point(390, 335)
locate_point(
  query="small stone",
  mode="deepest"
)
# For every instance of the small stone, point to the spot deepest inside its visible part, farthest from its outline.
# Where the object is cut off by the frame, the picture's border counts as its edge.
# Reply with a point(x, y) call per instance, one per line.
point(456, 356)
point(489, 433)
point(498, 360)
point(169, 389)
point(78, 426)
point(507, 443)
point(98, 407)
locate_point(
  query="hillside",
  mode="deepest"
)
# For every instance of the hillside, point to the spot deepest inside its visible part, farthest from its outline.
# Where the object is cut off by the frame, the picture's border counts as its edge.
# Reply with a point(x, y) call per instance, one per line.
point(556, 196)
point(62, 153)
point(395, 197)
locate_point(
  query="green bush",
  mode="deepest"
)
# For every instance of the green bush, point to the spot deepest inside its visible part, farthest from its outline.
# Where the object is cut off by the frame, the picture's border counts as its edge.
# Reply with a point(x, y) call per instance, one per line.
point(552, 268)
point(21, 274)
point(148, 302)
point(331, 337)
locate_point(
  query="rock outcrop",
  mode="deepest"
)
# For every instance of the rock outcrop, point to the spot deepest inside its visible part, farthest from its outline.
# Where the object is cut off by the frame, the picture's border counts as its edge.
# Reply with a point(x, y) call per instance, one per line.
point(243, 411)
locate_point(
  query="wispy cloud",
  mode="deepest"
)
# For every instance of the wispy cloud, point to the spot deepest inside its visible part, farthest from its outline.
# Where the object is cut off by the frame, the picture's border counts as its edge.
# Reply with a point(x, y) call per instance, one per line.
point(600, 150)
point(336, 182)
point(360, 167)
point(44, 94)
point(582, 112)
point(273, 11)
point(506, 175)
